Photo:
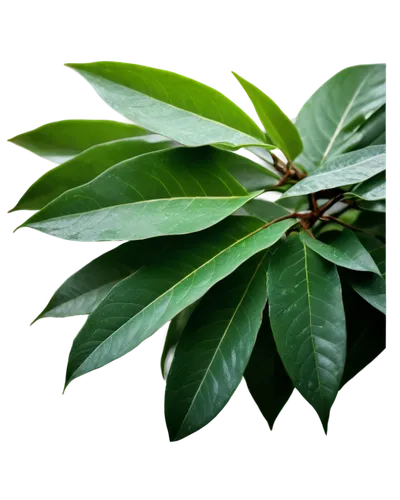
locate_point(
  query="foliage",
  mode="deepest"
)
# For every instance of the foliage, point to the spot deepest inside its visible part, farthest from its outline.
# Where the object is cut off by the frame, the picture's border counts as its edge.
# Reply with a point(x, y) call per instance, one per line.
point(268, 292)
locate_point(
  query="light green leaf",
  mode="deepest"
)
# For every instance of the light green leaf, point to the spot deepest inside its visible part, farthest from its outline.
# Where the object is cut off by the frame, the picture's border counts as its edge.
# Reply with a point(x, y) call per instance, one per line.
point(61, 141)
point(365, 334)
point(184, 270)
point(278, 126)
point(174, 333)
point(85, 167)
point(349, 168)
point(175, 191)
point(214, 349)
point(263, 209)
point(372, 132)
point(265, 375)
point(84, 290)
point(308, 322)
point(344, 249)
point(169, 104)
point(370, 190)
point(335, 112)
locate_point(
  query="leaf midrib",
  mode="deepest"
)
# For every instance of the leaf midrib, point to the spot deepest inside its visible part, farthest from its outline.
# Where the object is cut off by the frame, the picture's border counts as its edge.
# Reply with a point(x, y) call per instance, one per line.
point(221, 341)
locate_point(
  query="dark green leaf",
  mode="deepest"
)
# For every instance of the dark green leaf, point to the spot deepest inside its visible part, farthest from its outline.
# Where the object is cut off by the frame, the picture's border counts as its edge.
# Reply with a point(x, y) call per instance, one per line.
point(372, 206)
point(214, 349)
point(365, 334)
point(185, 269)
point(84, 290)
point(265, 375)
point(60, 141)
point(85, 167)
point(349, 168)
point(344, 249)
point(169, 104)
point(174, 333)
point(174, 191)
point(334, 113)
point(278, 126)
point(308, 322)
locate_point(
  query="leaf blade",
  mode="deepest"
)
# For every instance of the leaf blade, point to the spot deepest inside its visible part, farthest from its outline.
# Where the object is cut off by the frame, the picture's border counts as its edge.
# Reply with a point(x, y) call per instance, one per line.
point(278, 126)
point(349, 168)
point(173, 191)
point(187, 111)
point(343, 249)
point(85, 166)
point(60, 141)
point(214, 349)
point(334, 113)
point(84, 290)
point(308, 322)
point(199, 260)
point(265, 375)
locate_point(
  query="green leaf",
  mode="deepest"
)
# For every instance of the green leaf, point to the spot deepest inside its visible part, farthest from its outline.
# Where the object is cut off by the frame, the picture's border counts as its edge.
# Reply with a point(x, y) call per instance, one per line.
point(349, 168)
point(85, 167)
point(214, 349)
point(365, 335)
point(174, 191)
point(174, 333)
point(184, 270)
point(371, 288)
point(265, 375)
point(263, 209)
point(344, 249)
point(370, 190)
point(373, 206)
point(335, 112)
point(169, 104)
point(372, 132)
point(61, 141)
point(278, 126)
point(308, 322)
point(377, 250)
point(84, 290)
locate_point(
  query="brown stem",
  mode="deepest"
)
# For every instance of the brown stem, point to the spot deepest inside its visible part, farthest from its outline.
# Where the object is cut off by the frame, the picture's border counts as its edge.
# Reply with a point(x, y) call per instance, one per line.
point(279, 164)
point(329, 203)
point(327, 218)
point(294, 215)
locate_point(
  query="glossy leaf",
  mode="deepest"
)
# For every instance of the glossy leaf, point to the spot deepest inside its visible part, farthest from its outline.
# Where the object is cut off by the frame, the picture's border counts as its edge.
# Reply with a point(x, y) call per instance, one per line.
point(85, 167)
point(343, 249)
point(335, 112)
point(365, 335)
point(175, 191)
point(278, 126)
point(349, 168)
point(84, 290)
point(265, 375)
point(174, 333)
point(182, 273)
point(308, 322)
point(263, 209)
point(372, 288)
point(172, 105)
point(372, 189)
point(372, 132)
point(61, 141)
point(214, 349)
